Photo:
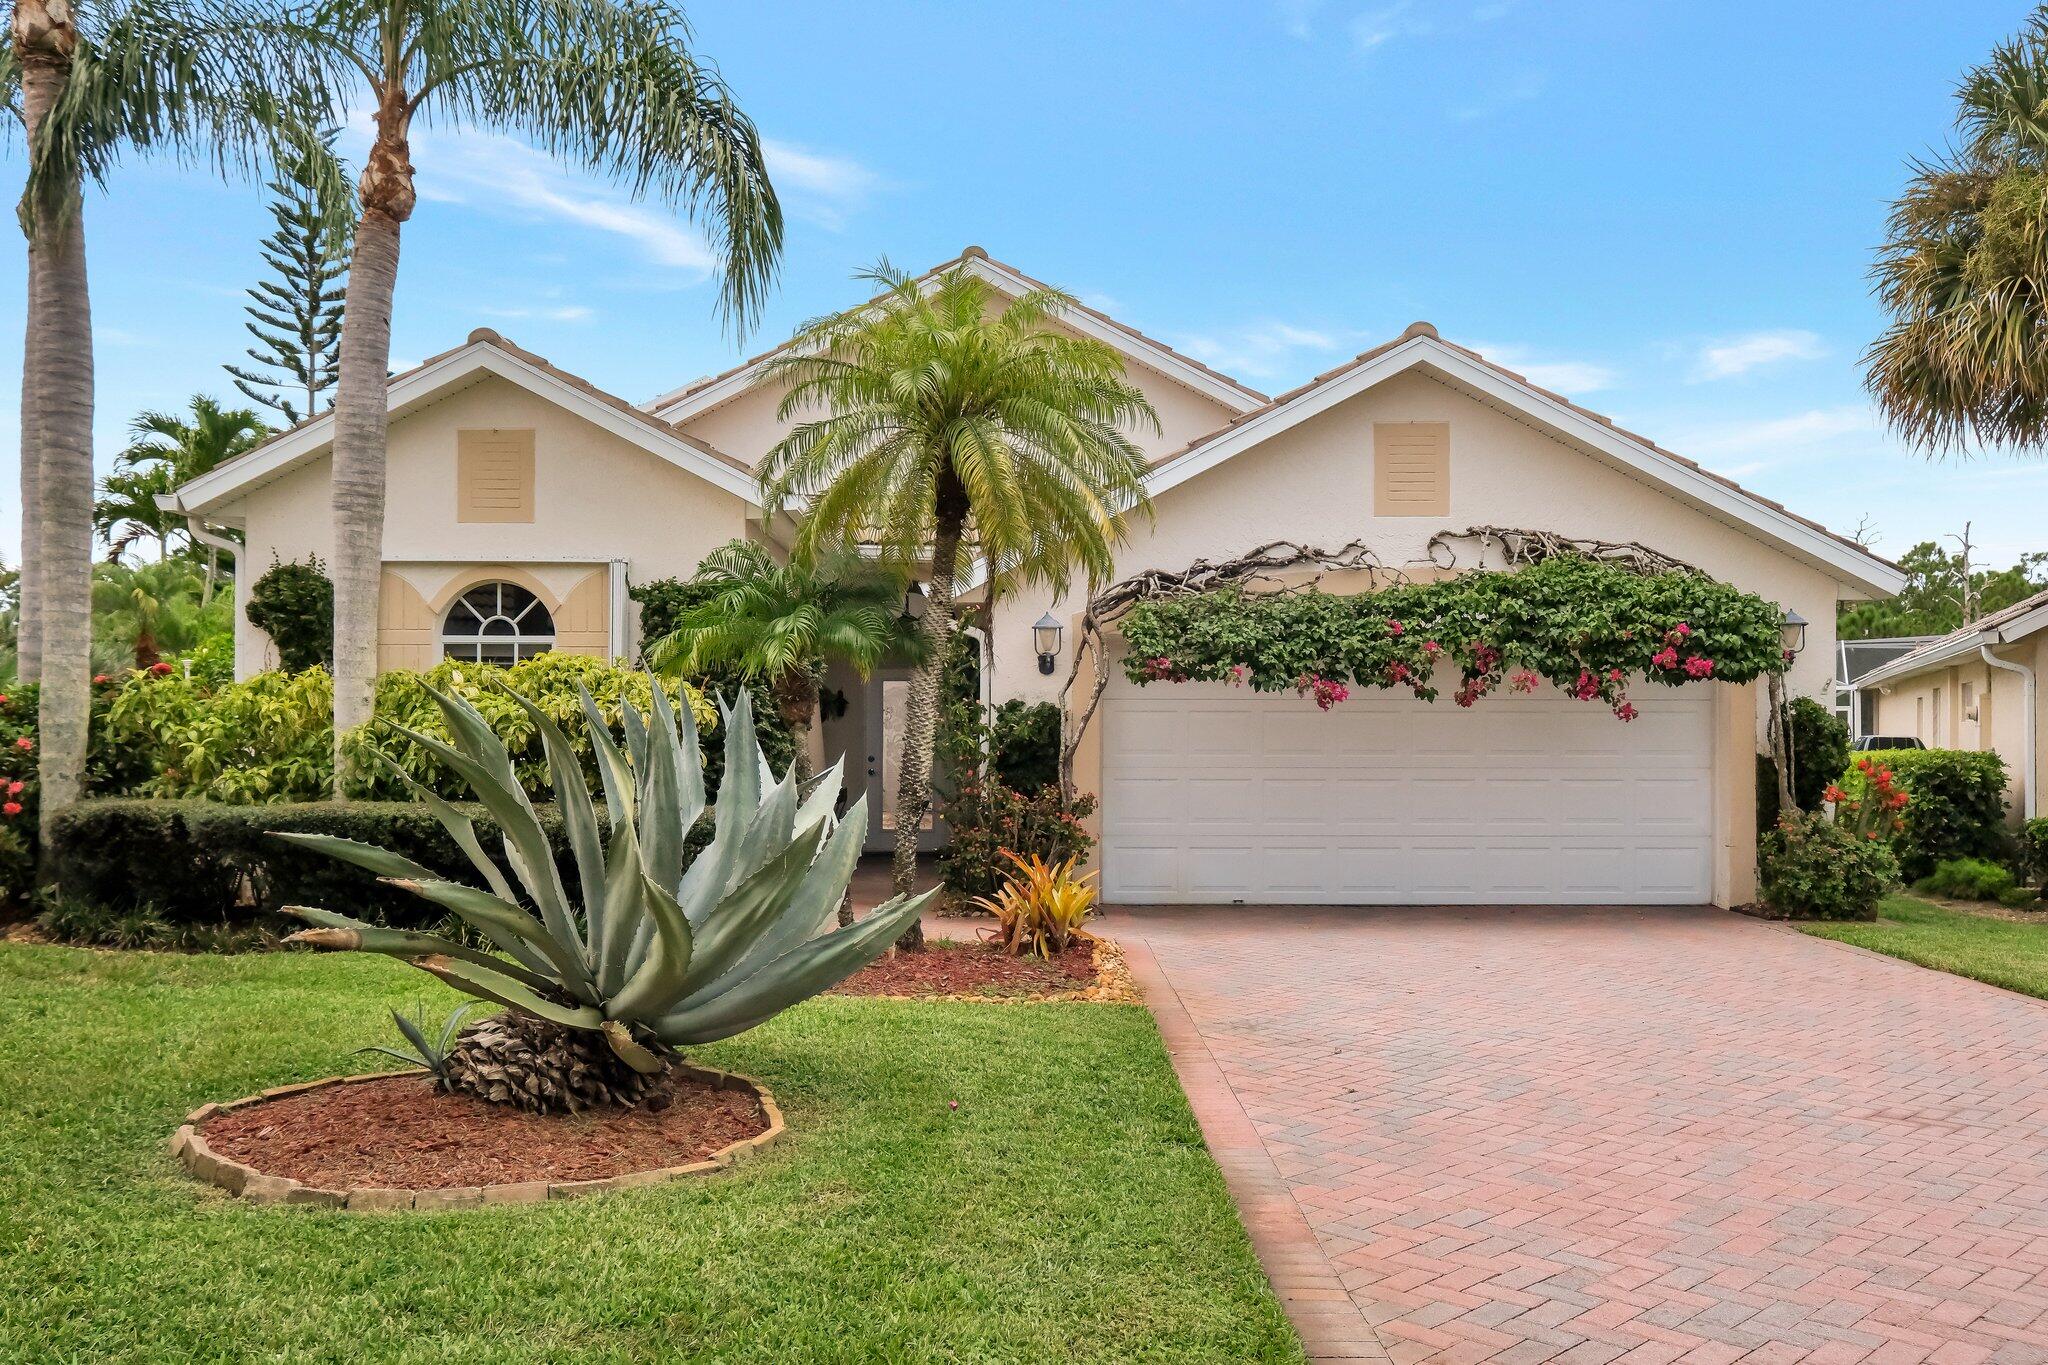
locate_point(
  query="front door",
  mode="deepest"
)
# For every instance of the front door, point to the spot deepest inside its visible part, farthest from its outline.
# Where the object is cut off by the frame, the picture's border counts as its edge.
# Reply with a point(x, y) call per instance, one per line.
point(888, 711)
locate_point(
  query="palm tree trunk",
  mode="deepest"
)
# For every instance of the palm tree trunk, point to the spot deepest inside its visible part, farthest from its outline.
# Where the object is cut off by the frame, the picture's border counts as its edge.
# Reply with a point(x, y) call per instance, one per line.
point(60, 386)
point(920, 724)
point(360, 422)
point(28, 620)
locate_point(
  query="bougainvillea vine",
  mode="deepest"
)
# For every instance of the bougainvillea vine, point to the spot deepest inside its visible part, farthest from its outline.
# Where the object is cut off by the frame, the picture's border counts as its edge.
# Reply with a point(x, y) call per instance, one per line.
point(1588, 627)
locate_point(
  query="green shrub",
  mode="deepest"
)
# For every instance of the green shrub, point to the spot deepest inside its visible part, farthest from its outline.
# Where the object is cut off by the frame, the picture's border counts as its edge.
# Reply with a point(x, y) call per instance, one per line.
point(1967, 879)
point(1820, 753)
point(144, 926)
point(662, 603)
point(2034, 852)
point(1956, 805)
point(200, 862)
point(1024, 744)
point(1811, 867)
point(294, 605)
point(267, 738)
point(987, 814)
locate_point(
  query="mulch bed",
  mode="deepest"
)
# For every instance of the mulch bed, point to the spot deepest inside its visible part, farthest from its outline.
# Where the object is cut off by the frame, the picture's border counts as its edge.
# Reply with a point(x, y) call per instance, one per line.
point(403, 1133)
point(947, 968)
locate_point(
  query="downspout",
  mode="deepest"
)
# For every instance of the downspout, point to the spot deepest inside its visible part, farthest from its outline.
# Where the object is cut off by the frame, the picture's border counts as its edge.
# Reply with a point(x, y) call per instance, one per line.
point(2032, 765)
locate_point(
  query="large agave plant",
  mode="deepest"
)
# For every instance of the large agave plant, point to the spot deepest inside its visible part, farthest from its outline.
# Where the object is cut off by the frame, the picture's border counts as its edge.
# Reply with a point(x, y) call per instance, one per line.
point(643, 955)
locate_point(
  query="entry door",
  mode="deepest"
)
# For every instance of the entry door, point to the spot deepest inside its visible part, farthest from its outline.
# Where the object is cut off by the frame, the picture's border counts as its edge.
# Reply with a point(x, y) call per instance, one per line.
point(888, 712)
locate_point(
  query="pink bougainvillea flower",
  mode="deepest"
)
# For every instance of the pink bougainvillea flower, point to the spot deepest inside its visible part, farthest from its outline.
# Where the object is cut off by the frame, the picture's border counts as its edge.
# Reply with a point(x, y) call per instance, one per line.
point(1614, 675)
point(1394, 627)
point(1699, 666)
point(1237, 674)
point(1666, 657)
point(1523, 681)
point(1681, 629)
point(1627, 711)
point(1432, 648)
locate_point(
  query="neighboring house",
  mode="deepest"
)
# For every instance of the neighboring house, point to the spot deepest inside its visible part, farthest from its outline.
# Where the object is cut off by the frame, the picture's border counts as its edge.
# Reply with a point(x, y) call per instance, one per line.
point(506, 471)
point(1973, 688)
point(1856, 660)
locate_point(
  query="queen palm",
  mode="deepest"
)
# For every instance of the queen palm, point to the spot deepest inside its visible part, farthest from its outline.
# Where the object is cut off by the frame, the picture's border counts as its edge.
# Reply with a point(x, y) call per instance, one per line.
point(951, 425)
point(92, 82)
point(1964, 269)
point(611, 84)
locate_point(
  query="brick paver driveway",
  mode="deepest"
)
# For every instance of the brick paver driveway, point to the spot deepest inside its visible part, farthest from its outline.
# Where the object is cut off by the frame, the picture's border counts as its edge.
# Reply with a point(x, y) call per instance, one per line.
point(1538, 1134)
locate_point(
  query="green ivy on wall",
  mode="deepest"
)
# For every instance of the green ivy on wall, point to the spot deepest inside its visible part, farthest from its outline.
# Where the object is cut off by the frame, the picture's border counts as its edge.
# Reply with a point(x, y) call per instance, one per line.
point(1584, 626)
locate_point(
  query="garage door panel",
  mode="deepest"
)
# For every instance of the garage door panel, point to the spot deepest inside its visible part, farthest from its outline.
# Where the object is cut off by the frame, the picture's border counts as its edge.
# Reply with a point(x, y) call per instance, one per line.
point(1214, 794)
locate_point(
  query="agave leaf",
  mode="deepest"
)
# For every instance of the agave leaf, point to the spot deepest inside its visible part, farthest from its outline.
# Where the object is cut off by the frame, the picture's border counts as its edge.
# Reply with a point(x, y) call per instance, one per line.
point(624, 911)
point(771, 829)
point(459, 826)
point(742, 780)
point(418, 1063)
point(816, 897)
point(332, 930)
point(412, 1033)
point(629, 1049)
point(635, 726)
point(381, 861)
point(660, 979)
point(796, 975)
point(689, 756)
point(751, 909)
point(526, 843)
point(817, 807)
point(579, 817)
point(453, 1025)
point(661, 810)
point(612, 769)
point(495, 985)
point(494, 917)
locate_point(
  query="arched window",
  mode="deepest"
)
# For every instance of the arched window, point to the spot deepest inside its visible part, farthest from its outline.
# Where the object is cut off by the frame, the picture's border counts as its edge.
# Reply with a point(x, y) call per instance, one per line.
point(496, 623)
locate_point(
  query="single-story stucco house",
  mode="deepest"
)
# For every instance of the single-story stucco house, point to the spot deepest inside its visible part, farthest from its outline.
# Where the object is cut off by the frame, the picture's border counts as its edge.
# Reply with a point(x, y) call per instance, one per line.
point(1973, 688)
point(522, 494)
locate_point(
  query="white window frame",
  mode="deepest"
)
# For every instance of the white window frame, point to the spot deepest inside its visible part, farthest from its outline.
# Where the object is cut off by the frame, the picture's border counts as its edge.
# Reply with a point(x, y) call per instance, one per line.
point(525, 644)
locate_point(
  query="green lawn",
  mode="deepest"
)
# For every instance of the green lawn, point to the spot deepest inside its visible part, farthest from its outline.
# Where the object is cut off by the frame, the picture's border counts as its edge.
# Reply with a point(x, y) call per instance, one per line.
point(1067, 1211)
point(2002, 952)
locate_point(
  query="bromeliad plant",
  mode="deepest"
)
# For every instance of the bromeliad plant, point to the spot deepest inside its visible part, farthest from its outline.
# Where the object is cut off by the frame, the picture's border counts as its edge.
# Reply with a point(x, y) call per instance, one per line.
point(645, 955)
point(1041, 908)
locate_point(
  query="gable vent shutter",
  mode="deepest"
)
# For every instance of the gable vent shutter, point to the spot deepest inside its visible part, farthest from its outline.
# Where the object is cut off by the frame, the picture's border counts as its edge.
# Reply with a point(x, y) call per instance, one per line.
point(494, 475)
point(1411, 469)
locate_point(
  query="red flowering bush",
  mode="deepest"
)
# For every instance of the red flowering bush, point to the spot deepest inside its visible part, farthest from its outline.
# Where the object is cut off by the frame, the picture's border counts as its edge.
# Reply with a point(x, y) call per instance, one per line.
point(17, 791)
point(1813, 866)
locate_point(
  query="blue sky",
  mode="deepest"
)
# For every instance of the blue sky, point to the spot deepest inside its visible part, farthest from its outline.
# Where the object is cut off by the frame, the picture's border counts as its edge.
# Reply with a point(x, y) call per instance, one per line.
point(1665, 211)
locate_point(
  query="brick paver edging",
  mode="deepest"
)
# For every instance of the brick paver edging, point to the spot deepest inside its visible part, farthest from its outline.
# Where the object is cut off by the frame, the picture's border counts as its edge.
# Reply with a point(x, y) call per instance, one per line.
point(1331, 1327)
point(188, 1145)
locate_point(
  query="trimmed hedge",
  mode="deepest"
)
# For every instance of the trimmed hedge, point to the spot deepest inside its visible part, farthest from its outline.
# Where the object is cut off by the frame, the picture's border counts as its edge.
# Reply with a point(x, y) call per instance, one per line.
point(1957, 808)
point(189, 860)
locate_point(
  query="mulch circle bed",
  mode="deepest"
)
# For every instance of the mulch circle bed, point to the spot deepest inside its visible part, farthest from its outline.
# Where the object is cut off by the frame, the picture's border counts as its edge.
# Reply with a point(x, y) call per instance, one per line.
point(392, 1141)
point(954, 970)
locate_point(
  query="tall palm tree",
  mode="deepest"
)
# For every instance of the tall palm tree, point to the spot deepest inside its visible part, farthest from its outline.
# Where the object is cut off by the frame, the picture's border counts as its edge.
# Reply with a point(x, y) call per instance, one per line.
point(782, 623)
point(1964, 269)
point(91, 83)
point(154, 610)
point(950, 424)
point(169, 450)
point(608, 83)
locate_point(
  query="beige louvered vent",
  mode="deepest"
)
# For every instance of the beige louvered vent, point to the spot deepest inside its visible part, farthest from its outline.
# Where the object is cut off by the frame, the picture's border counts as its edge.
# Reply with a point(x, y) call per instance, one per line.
point(1411, 469)
point(494, 475)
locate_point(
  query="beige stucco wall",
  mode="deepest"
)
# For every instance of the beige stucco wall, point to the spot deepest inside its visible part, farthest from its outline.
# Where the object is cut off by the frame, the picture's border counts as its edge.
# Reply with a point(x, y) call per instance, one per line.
point(598, 497)
point(1313, 483)
point(1907, 706)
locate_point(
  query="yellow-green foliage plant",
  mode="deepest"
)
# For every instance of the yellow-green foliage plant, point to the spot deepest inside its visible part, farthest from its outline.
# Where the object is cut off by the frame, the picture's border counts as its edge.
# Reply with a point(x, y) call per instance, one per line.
point(1041, 907)
point(642, 954)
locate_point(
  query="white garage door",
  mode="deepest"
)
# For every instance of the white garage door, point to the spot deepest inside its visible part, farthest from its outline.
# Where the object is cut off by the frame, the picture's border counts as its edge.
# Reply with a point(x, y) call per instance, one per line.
point(1214, 794)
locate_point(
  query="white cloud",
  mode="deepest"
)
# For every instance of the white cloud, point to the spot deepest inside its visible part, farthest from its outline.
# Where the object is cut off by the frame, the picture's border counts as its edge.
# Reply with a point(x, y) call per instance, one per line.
point(818, 186)
point(1374, 28)
point(1740, 355)
point(1297, 17)
point(1263, 350)
point(1569, 377)
point(1799, 430)
point(567, 312)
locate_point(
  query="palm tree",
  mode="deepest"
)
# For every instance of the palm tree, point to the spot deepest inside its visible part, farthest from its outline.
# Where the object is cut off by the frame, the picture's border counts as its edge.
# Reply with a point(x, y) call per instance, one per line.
point(152, 611)
point(609, 83)
point(950, 423)
point(169, 450)
point(91, 82)
point(782, 623)
point(1964, 269)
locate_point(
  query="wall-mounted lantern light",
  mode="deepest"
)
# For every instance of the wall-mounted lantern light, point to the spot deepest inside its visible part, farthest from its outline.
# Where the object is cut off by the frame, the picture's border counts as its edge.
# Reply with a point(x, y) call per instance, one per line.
point(1792, 634)
point(1045, 637)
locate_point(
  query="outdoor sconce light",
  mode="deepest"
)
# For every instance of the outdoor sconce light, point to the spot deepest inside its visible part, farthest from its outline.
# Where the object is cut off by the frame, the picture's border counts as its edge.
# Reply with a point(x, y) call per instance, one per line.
point(913, 602)
point(1792, 633)
point(1045, 636)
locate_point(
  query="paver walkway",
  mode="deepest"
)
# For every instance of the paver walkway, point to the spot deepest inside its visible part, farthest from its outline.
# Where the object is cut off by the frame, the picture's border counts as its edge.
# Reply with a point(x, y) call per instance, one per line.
point(1591, 1135)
